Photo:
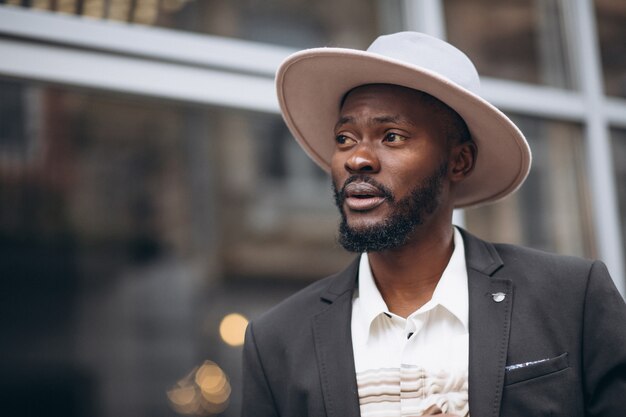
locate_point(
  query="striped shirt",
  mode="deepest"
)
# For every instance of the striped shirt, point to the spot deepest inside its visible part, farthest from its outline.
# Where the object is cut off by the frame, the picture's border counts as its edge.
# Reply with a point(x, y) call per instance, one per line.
point(418, 365)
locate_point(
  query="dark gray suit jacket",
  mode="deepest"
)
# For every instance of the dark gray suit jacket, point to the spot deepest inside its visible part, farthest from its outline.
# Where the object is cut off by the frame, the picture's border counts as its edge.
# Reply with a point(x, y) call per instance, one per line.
point(298, 359)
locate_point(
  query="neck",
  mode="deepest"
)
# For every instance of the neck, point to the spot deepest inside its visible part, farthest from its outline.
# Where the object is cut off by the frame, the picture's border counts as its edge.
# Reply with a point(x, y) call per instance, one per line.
point(407, 276)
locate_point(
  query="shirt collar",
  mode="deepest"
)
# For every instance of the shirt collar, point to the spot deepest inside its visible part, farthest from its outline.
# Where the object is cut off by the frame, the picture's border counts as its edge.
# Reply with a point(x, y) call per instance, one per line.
point(451, 291)
point(372, 303)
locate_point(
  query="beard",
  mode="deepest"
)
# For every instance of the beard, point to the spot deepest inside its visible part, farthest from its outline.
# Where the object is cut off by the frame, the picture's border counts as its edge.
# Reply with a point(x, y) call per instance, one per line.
point(406, 214)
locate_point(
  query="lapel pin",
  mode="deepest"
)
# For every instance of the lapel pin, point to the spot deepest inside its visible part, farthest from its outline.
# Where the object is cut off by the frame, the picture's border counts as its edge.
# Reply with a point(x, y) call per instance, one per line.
point(498, 297)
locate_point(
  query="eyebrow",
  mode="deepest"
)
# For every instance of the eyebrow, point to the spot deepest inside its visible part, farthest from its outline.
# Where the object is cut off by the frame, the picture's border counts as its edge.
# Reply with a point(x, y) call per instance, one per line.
point(374, 120)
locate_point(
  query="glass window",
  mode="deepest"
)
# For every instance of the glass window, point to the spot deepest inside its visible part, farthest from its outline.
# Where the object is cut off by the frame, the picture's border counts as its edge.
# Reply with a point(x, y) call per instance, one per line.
point(518, 40)
point(294, 23)
point(611, 24)
point(277, 205)
point(130, 229)
point(619, 162)
point(551, 211)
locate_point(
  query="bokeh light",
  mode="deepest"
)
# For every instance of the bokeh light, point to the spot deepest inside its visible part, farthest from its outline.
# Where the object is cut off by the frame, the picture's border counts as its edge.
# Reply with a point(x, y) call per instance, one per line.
point(184, 399)
point(204, 391)
point(233, 329)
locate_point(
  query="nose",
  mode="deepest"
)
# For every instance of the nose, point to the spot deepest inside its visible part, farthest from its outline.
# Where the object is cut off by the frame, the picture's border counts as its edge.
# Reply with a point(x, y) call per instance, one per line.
point(362, 159)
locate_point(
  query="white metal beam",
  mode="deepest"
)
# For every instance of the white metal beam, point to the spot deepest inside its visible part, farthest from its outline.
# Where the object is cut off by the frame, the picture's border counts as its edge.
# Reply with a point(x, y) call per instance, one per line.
point(598, 143)
point(539, 101)
point(141, 41)
point(234, 55)
point(26, 60)
point(615, 109)
point(425, 16)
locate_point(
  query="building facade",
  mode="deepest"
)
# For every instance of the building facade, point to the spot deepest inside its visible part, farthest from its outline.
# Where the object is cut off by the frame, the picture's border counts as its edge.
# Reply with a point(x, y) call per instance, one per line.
point(149, 188)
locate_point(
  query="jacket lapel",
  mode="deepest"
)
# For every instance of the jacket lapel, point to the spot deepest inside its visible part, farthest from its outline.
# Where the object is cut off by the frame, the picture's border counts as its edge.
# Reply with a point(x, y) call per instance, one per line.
point(333, 346)
point(489, 325)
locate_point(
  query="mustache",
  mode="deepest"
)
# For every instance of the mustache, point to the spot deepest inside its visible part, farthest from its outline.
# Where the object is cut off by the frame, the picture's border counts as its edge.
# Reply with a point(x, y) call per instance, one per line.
point(340, 195)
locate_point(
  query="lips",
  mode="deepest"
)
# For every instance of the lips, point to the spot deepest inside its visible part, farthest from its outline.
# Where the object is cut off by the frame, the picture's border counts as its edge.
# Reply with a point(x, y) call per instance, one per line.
point(361, 196)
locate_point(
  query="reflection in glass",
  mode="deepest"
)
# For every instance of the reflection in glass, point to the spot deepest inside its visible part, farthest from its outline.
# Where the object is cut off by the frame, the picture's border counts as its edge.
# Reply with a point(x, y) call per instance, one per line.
point(102, 248)
point(276, 204)
point(551, 211)
point(121, 226)
point(611, 24)
point(518, 40)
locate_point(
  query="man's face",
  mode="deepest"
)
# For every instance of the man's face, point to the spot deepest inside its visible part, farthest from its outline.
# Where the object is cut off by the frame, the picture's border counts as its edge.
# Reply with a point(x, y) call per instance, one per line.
point(389, 167)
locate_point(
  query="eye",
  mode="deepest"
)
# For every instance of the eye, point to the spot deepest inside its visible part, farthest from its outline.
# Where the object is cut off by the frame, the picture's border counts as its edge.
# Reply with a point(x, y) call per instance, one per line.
point(343, 140)
point(392, 137)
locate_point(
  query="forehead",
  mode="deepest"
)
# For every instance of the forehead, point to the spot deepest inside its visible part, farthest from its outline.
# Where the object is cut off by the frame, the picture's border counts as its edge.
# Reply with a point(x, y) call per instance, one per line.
point(388, 99)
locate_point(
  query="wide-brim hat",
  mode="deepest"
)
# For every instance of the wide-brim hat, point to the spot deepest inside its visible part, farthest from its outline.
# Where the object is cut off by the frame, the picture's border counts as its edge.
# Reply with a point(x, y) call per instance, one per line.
point(311, 84)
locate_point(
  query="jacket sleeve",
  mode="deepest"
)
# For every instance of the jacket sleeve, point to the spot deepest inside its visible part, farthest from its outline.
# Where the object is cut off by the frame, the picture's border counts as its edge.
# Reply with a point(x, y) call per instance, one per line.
point(257, 396)
point(604, 346)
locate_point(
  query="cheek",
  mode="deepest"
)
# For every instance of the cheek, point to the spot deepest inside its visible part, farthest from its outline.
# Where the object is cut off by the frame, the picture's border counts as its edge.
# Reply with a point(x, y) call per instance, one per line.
point(335, 159)
point(336, 167)
point(403, 175)
point(418, 159)
point(402, 168)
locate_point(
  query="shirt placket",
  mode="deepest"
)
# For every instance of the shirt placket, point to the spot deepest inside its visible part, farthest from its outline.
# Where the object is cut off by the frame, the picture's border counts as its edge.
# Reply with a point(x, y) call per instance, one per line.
point(412, 377)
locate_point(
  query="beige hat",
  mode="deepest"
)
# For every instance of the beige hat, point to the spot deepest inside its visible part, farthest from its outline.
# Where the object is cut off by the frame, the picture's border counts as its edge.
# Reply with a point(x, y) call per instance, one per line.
point(311, 83)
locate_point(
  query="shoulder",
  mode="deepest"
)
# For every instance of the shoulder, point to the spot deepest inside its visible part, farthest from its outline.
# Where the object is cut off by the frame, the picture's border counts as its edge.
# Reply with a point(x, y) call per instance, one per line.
point(533, 259)
point(551, 276)
point(532, 269)
point(487, 256)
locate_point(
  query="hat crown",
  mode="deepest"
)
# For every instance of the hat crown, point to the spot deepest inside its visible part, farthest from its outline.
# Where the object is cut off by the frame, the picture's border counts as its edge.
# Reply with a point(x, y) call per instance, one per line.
point(431, 54)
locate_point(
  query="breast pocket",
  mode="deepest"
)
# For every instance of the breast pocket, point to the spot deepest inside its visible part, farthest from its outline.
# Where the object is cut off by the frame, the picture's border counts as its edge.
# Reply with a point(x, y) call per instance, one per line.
point(516, 373)
point(542, 388)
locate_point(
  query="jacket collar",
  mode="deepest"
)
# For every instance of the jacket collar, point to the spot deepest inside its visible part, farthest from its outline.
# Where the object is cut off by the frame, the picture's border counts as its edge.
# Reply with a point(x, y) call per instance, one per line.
point(342, 282)
point(480, 255)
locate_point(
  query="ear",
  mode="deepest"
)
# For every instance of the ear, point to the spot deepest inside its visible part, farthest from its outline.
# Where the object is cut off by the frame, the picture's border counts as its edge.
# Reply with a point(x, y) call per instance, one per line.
point(462, 161)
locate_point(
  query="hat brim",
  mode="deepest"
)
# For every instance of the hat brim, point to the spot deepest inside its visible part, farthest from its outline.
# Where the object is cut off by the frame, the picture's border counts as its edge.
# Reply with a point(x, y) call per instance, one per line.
point(311, 83)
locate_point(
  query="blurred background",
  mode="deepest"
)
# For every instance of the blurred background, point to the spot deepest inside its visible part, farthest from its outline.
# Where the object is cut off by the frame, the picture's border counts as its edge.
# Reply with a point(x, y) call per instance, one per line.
point(152, 200)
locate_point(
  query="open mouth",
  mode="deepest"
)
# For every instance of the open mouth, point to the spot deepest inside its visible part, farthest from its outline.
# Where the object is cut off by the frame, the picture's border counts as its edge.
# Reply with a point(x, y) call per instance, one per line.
point(361, 196)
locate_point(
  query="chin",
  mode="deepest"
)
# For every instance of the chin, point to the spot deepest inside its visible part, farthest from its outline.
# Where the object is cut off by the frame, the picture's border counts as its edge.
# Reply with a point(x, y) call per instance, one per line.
point(363, 222)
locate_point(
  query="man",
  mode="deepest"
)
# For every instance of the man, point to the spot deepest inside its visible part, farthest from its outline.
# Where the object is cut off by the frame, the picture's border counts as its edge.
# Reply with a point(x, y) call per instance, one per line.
point(430, 319)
